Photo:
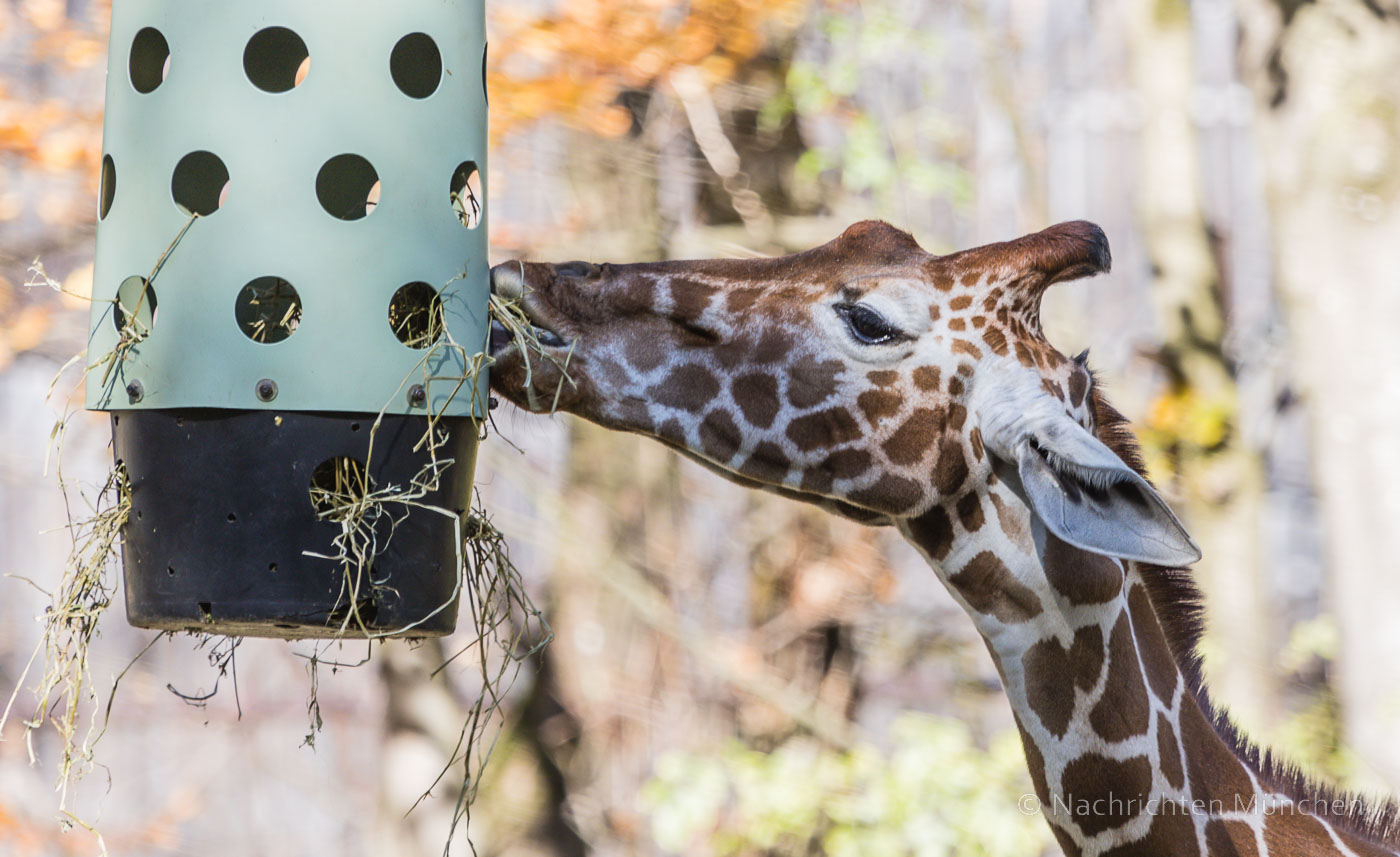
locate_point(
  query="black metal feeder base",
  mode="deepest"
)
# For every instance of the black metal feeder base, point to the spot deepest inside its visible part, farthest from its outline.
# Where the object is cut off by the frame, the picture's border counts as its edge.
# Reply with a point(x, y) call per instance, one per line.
point(223, 523)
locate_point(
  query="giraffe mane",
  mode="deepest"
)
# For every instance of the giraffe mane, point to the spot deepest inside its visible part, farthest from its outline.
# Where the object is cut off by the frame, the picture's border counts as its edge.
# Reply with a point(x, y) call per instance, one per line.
point(1180, 608)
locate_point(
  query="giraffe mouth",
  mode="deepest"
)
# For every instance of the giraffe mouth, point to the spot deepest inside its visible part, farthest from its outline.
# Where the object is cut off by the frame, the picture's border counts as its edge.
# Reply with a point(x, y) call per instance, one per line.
point(508, 282)
point(501, 338)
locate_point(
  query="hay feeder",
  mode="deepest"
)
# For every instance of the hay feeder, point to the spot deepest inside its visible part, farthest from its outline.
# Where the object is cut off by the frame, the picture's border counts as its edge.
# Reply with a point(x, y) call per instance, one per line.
point(291, 283)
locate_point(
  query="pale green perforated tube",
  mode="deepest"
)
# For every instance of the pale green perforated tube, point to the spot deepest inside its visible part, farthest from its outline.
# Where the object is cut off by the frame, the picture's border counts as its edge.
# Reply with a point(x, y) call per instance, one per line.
point(397, 85)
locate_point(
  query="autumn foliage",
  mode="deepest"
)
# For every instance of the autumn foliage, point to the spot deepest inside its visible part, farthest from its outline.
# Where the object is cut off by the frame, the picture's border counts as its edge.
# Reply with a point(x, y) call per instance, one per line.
point(50, 119)
point(578, 60)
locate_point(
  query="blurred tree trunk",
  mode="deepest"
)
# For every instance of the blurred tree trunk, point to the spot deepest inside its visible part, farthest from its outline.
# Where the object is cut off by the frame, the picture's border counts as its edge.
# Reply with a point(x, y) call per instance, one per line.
point(422, 721)
point(521, 810)
point(1326, 76)
point(1222, 481)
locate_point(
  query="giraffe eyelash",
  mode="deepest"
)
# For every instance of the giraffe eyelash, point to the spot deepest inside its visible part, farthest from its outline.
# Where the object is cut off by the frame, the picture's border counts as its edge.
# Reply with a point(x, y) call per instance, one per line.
point(867, 326)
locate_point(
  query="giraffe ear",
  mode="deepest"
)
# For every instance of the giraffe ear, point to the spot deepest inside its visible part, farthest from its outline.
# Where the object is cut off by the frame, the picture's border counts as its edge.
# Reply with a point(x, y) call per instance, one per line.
point(1088, 497)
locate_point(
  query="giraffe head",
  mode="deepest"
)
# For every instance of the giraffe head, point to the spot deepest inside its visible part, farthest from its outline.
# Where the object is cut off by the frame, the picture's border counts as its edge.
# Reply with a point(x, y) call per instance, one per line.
point(865, 375)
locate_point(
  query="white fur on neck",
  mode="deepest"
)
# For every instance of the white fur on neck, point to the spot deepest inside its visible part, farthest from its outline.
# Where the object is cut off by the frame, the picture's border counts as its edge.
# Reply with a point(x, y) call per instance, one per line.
point(1013, 409)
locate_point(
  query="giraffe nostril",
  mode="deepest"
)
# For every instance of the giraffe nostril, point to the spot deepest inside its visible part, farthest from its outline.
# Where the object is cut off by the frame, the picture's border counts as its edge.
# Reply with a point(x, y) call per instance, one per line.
point(577, 269)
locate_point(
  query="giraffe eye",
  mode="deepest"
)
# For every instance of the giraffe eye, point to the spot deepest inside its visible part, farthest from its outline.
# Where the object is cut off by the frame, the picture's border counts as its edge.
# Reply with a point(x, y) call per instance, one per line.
point(867, 325)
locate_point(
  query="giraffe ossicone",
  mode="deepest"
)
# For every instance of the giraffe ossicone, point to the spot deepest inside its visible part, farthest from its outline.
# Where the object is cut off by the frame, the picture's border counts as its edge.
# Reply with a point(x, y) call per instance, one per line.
point(901, 388)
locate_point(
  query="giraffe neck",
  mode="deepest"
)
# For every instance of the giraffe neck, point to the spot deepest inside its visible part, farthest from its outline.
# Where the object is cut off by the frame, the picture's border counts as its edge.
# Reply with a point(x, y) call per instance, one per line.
point(1123, 757)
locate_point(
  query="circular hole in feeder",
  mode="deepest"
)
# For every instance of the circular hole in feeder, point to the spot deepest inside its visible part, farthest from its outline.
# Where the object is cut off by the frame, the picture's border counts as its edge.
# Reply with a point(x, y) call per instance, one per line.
point(416, 64)
point(337, 483)
point(200, 183)
point(268, 309)
point(348, 187)
point(232, 518)
point(109, 187)
point(150, 60)
point(272, 566)
point(466, 194)
point(415, 315)
point(136, 301)
point(276, 59)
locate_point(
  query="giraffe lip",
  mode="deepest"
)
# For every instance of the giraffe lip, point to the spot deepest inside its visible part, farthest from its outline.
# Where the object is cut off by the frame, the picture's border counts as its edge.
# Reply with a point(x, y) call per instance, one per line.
point(501, 338)
point(548, 337)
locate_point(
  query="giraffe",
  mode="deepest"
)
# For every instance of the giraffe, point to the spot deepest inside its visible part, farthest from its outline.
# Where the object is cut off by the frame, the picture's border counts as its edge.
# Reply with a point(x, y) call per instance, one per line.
point(900, 388)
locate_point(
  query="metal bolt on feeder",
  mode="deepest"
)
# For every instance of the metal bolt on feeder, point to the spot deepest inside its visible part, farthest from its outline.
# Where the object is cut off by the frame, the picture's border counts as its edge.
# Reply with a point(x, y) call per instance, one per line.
point(291, 260)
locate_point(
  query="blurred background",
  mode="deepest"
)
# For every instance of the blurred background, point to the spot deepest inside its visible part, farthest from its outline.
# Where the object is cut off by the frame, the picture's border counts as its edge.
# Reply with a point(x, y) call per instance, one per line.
point(734, 674)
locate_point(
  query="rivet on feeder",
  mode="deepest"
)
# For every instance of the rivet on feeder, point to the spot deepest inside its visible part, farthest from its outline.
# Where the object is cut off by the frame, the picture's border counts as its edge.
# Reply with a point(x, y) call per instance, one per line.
point(135, 391)
point(417, 396)
point(267, 390)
